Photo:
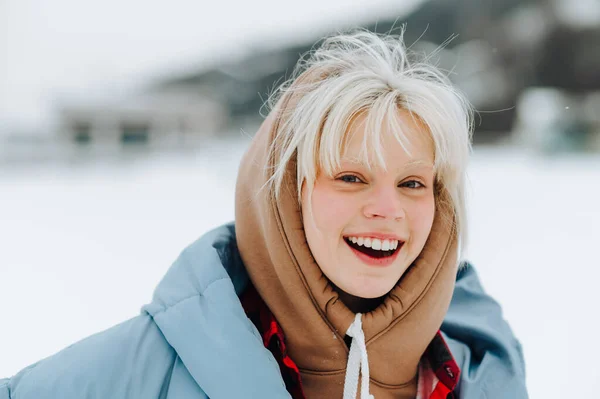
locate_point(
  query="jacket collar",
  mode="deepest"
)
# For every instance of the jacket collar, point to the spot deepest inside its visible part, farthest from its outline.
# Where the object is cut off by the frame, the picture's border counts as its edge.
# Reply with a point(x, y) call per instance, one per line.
point(197, 309)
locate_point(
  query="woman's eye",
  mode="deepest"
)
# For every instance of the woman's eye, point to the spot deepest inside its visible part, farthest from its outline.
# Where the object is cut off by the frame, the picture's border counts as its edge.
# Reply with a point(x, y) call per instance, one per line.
point(412, 184)
point(350, 179)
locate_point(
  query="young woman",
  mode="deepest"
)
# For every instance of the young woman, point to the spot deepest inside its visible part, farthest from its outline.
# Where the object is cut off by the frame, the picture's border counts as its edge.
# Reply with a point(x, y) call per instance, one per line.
point(341, 275)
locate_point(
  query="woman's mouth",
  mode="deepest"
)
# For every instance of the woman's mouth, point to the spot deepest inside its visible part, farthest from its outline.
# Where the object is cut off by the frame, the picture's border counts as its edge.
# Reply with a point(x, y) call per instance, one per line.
point(374, 247)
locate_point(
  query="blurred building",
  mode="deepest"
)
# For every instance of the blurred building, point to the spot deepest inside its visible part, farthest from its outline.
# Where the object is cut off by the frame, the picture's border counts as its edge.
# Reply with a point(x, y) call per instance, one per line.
point(172, 117)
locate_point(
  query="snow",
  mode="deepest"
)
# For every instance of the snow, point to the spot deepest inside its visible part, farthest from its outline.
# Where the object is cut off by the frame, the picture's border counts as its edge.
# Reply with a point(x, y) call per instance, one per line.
point(83, 248)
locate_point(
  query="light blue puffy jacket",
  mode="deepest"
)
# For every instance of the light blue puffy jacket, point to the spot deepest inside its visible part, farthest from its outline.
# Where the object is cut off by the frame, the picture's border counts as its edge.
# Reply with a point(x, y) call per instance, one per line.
point(194, 341)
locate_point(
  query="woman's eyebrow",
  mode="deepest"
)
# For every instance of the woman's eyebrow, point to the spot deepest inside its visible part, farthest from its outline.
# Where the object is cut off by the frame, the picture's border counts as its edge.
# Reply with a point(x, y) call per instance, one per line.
point(353, 162)
point(412, 164)
point(418, 163)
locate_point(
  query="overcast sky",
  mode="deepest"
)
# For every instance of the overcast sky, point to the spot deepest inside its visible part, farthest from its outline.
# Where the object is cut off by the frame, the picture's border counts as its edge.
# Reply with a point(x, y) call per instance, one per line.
point(49, 49)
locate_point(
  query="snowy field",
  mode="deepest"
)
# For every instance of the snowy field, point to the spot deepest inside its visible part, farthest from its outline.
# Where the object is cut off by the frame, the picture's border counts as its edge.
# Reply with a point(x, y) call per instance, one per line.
point(83, 247)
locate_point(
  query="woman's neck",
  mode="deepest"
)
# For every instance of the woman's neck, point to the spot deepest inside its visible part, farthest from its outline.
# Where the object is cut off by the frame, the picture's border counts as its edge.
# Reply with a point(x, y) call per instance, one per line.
point(357, 304)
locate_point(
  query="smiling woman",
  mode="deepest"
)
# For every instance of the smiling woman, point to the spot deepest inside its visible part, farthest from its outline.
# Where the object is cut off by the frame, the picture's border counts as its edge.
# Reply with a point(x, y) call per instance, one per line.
point(373, 204)
point(341, 275)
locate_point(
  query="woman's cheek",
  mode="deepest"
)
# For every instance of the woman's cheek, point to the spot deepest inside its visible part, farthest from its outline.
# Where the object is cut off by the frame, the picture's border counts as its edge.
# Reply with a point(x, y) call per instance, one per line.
point(330, 208)
point(421, 214)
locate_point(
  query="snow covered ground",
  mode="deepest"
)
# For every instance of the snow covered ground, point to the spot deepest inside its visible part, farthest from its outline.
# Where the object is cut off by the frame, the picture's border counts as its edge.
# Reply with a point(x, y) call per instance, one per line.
point(83, 247)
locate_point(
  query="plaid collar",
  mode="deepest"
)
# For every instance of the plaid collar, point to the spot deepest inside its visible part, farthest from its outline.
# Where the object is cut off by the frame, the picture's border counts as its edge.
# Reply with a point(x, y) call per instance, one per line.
point(438, 371)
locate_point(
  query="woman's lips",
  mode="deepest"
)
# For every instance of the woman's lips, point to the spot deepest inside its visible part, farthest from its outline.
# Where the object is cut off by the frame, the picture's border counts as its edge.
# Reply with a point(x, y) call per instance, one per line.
point(373, 261)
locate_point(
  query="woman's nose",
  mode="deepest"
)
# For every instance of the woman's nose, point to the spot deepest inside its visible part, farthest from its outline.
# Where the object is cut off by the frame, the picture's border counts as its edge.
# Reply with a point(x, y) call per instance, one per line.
point(384, 202)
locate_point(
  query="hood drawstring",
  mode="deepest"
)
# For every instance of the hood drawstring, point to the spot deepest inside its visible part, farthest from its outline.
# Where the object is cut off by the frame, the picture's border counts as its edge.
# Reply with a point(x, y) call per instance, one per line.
point(358, 362)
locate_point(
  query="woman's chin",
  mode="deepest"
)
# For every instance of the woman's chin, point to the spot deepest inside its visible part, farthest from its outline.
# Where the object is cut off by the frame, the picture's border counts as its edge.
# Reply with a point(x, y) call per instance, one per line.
point(369, 291)
point(370, 294)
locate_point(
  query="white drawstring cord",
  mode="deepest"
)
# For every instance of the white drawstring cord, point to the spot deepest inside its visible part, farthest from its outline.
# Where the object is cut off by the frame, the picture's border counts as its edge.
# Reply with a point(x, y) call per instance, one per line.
point(358, 362)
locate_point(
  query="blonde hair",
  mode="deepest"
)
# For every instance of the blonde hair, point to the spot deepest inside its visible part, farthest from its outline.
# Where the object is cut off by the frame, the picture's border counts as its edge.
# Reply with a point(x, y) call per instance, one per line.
point(366, 72)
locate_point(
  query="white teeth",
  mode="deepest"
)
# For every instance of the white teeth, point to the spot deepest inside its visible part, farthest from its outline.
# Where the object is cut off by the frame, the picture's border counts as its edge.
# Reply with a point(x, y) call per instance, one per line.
point(375, 243)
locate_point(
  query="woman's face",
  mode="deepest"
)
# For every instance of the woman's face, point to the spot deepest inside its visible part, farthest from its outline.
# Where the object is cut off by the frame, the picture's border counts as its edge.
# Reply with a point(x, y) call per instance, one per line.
point(367, 227)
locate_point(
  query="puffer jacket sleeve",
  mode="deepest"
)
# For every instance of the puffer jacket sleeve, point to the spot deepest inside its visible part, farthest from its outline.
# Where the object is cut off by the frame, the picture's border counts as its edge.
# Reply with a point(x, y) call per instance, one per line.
point(129, 360)
point(489, 355)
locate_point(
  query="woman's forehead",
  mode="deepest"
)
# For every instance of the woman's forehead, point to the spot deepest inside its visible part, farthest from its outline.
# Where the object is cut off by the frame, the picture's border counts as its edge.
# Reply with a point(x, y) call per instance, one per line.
point(365, 126)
